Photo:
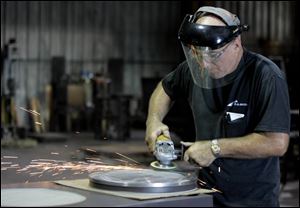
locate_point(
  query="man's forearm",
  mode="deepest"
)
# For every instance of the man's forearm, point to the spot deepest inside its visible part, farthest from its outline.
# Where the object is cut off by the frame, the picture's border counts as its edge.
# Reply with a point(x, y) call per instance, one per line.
point(159, 105)
point(254, 145)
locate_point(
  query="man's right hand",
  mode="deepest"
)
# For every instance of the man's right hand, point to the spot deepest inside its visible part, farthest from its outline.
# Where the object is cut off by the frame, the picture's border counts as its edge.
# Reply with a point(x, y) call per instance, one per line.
point(153, 130)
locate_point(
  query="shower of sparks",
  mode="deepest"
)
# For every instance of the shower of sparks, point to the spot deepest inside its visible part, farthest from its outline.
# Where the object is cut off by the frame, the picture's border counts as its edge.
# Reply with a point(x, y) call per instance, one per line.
point(30, 111)
point(38, 167)
point(128, 158)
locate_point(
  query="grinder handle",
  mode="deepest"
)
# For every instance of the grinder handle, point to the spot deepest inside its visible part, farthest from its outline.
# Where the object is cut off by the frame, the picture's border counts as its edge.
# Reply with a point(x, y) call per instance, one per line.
point(162, 137)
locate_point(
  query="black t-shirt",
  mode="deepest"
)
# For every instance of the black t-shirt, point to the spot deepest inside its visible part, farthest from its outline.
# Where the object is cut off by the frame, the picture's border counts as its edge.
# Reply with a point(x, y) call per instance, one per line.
point(256, 100)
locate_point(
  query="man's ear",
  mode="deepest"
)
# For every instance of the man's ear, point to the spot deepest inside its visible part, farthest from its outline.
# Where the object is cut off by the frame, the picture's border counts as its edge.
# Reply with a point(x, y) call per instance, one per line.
point(237, 42)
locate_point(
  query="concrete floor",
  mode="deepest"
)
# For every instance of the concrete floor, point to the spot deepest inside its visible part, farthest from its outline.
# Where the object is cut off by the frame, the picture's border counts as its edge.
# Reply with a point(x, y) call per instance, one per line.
point(78, 146)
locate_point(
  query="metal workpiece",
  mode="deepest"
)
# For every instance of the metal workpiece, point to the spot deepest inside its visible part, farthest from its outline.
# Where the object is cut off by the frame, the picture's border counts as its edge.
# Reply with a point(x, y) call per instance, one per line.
point(145, 180)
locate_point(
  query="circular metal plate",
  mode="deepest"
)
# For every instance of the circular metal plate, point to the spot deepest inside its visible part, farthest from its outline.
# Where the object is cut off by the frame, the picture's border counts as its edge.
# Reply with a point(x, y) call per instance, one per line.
point(145, 180)
point(38, 197)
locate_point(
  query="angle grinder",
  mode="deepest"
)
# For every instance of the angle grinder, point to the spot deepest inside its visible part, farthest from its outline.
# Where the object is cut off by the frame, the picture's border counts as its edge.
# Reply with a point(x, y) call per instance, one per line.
point(164, 153)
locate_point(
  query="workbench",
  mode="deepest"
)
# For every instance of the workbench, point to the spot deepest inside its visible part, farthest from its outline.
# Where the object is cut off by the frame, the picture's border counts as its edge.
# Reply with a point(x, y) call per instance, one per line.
point(94, 199)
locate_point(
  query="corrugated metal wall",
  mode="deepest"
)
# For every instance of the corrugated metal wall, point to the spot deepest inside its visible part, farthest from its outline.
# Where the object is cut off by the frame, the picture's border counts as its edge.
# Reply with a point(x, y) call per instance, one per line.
point(269, 20)
point(143, 33)
point(87, 34)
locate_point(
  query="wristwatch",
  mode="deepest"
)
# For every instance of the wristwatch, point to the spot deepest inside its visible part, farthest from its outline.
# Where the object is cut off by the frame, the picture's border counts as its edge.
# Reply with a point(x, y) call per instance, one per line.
point(215, 148)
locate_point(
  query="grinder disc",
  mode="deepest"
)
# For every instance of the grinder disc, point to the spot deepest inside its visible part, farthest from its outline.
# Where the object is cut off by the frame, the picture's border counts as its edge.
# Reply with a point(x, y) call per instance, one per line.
point(160, 166)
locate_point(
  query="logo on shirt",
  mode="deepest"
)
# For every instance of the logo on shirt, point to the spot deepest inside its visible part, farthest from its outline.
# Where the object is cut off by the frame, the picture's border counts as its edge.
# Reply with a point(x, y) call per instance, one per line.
point(236, 103)
point(231, 116)
point(234, 116)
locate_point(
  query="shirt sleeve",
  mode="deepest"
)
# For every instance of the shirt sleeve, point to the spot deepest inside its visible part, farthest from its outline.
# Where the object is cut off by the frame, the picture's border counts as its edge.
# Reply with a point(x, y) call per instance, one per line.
point(273, 105)
point(177, 83)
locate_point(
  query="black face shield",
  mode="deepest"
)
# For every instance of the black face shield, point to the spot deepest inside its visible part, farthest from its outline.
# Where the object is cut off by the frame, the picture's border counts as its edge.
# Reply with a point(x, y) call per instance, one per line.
point(213, 37)
point(204, 46)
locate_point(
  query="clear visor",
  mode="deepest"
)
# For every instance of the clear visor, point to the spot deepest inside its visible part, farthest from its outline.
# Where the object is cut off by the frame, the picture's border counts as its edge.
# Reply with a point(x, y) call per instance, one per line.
point(205, 66)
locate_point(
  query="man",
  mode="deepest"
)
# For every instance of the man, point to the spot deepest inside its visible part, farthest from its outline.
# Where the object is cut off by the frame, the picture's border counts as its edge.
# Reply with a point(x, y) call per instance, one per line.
point(240, 105)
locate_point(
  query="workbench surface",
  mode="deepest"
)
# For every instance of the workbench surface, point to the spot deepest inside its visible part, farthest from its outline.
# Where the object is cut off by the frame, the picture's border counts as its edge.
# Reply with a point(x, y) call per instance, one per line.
point(94, 199)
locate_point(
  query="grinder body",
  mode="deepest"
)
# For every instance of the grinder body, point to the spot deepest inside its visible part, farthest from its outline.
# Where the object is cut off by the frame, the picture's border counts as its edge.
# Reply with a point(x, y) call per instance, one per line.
point(164, 153)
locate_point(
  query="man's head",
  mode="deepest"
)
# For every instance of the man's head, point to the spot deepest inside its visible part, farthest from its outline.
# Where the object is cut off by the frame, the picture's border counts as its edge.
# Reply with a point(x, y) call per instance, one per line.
point(212, 45)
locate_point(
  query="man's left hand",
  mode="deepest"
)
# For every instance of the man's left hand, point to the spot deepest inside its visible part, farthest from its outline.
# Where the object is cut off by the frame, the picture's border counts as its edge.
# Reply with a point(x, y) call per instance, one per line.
point(200, 152)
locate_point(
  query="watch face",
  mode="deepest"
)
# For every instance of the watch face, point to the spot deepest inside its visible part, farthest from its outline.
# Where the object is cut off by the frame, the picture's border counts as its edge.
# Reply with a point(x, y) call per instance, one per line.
point(215, 148)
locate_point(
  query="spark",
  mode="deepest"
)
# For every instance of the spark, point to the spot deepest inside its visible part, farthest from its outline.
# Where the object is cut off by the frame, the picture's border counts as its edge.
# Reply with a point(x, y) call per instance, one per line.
point(95, 161)
point(201, 181)
point(204, 184)
point(219, 169)
point(54, 174)
point(6, 163)
point(54, 153)
point(216, 190)
point(36, 173)
point(77, 173)
point(9, 168)
point(82, 163)
point(10, 157)
point(38, 123)
point(30, 111)
point(91, 150)
point(37, 160)
point(123, 161)
point(92, 158)
point(128, 158)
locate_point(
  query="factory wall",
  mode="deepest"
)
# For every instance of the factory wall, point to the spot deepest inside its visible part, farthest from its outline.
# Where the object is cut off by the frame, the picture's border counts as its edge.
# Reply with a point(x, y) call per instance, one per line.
point(87, 34)
point(271, 24)
point(141, 33)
